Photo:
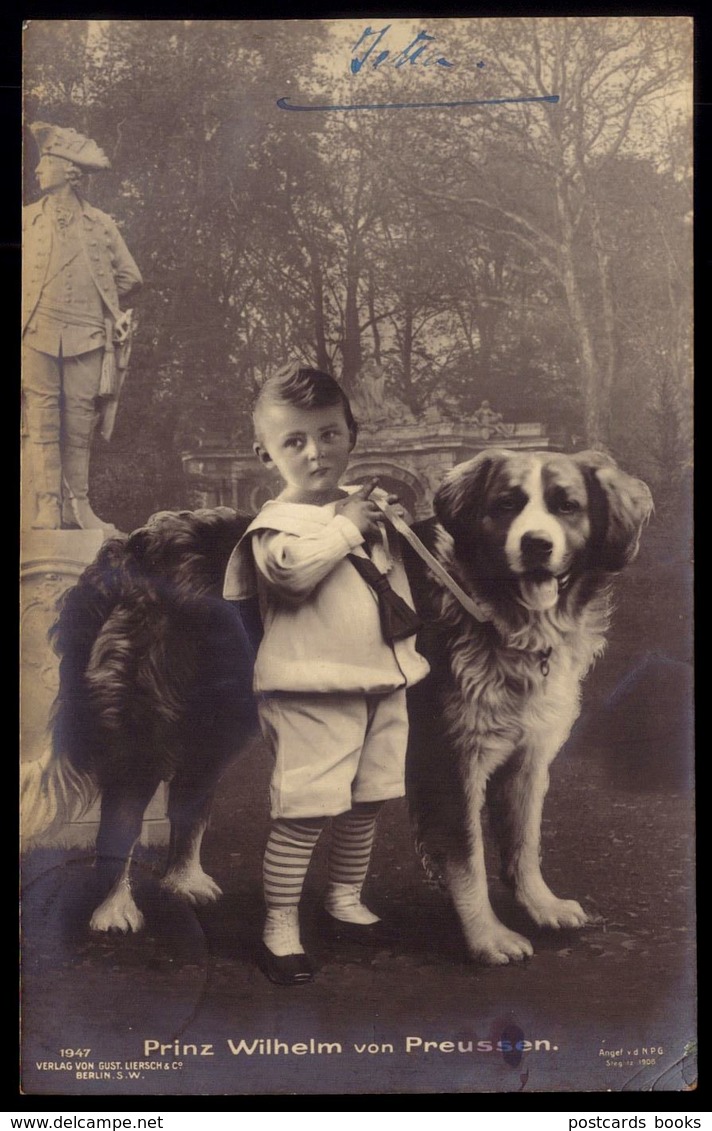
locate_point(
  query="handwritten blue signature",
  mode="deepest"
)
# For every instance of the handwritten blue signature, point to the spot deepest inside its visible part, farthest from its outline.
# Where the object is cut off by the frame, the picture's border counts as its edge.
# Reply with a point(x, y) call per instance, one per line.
point(419, 52)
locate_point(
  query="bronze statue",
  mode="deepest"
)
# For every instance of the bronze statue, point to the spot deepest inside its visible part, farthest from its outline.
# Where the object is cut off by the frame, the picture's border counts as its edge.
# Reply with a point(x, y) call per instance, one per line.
point(75, 336)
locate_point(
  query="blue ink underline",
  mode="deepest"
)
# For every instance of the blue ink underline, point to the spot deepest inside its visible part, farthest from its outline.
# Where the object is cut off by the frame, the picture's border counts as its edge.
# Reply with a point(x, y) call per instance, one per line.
point(283, 104)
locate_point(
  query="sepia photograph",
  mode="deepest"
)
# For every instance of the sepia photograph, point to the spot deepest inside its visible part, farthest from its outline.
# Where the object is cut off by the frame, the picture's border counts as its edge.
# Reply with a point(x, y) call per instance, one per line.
point(357, 372)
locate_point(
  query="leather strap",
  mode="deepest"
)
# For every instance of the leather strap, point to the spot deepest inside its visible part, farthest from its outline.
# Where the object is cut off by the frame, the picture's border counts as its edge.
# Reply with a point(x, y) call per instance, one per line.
point(477, 609)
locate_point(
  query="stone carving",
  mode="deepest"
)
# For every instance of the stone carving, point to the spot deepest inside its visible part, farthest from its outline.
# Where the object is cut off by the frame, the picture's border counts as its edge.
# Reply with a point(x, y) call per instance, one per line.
point(374, 404)
point(76, 339)
point(489, 422)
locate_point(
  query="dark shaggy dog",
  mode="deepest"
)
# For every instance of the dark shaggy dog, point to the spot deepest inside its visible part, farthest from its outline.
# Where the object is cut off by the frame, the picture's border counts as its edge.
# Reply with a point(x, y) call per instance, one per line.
point(155, 678)
point(155, 685)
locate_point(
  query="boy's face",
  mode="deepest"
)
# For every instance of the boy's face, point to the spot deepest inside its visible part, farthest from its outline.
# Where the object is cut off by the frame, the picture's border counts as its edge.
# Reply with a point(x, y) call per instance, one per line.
point(310, 449)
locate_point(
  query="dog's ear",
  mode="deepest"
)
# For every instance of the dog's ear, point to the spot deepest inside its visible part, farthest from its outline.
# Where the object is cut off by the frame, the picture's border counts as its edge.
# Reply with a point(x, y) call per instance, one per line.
point(458, 501)
point(140, 546)
point(147, 541)
point(620, 506)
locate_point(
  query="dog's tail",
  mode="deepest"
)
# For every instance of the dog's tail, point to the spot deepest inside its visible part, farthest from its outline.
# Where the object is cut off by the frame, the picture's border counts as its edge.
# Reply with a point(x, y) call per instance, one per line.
point(59, 786)
point(52, 793)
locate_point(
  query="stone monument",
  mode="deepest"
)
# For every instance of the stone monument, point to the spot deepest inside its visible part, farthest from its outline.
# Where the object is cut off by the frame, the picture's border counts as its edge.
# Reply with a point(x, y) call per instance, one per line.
point(75, 348)
point(409, 455)
point(75, 337)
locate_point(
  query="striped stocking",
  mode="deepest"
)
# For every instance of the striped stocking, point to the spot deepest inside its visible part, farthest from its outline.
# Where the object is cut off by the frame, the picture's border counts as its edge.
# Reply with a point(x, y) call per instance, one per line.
point(286, 860)
point(351, 843)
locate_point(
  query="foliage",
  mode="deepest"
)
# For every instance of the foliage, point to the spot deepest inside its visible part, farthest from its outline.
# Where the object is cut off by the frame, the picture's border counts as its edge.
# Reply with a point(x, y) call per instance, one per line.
point(534, 254)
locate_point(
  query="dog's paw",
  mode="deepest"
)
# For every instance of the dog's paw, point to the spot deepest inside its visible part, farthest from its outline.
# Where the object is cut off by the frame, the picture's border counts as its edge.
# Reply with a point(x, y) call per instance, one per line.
point(499, 945)
point(557, 913)
point(195, 885)
point(117, 913)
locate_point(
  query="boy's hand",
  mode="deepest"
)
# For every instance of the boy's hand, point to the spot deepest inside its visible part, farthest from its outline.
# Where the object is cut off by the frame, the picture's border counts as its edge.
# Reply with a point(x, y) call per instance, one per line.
point(395, 505)
point(361, 510)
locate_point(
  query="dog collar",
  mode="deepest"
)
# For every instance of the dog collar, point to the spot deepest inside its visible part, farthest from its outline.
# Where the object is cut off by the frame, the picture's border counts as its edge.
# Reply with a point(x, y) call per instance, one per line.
point(543, 657)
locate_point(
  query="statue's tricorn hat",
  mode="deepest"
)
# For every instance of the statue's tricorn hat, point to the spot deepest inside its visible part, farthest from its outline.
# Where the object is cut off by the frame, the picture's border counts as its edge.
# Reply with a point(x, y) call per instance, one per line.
point(63, 141)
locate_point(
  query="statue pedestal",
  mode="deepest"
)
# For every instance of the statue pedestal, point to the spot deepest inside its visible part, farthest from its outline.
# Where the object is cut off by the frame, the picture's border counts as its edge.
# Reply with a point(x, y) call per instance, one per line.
point(52, 561)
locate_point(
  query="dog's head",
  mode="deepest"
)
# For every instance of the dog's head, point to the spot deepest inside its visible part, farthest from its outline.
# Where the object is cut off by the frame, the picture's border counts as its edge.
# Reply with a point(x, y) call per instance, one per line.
point(533, 520)
point(186, 552)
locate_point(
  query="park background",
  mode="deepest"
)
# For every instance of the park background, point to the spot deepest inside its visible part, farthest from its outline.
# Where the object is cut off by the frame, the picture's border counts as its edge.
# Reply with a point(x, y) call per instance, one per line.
point(537, 255)
point(534, 254)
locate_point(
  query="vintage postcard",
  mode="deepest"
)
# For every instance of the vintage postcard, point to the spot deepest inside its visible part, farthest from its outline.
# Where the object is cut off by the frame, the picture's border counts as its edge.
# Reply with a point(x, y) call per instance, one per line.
point(450, 260)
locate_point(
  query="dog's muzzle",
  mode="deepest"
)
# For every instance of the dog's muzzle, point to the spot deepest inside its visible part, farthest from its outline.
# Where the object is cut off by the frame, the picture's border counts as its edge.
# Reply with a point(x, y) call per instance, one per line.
point(539, 592)
point(536, 548)
point(539, 585)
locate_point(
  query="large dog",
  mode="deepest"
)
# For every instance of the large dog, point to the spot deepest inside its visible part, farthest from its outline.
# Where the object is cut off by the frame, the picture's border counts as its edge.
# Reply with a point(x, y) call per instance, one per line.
point(536, 536)
point(156, 671)
point(155, 685)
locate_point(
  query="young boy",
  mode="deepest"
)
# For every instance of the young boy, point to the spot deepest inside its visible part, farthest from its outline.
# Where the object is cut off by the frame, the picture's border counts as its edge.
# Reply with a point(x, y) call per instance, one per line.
point(337, 654)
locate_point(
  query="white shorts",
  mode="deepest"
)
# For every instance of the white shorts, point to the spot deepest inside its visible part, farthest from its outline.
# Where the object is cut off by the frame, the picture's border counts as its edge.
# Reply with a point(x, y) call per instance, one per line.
point(333, 750)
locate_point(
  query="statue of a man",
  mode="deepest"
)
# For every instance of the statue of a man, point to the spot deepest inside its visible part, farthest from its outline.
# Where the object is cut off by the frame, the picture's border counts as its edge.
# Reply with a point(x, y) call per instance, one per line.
point(76, 267)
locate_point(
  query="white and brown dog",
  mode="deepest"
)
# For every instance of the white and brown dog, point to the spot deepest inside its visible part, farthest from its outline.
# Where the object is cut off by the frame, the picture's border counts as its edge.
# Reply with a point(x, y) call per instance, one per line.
point(536, 537)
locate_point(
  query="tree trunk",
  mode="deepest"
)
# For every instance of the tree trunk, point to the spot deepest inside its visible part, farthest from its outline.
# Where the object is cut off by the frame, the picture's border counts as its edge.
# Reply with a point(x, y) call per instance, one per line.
point(317, 281)
point(351, 348)
point(486, 320)
point(373, 319)
point(608, 347)
point(594, 417)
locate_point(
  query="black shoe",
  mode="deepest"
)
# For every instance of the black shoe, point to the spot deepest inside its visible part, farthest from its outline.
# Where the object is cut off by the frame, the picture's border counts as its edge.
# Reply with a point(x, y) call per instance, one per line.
point(367, 934)
point(285, 969)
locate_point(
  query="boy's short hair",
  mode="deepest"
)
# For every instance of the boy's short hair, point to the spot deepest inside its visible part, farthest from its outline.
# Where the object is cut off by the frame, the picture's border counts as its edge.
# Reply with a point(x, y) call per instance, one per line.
point(304, 388)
